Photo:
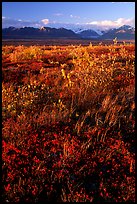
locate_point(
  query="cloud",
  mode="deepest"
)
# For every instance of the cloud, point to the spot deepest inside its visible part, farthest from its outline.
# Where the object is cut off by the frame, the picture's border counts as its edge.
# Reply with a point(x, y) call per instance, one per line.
point(58, 14)
point(7, 22)
point(117, 23)
point(45, 21)
point(105, 24)
point(71, 16)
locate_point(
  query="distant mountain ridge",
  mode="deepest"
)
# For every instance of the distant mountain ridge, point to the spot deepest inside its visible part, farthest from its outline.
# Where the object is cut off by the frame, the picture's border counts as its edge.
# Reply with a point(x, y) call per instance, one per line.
point(89, 34)
point(44, 32)
point(124, 32)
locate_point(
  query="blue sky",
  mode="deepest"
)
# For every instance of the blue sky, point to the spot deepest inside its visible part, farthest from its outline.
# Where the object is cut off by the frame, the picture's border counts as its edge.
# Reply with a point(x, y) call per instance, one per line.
point(59, 14)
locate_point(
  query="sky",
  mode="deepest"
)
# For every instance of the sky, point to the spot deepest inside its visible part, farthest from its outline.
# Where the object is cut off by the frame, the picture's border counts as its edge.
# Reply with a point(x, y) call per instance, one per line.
point(68, 14)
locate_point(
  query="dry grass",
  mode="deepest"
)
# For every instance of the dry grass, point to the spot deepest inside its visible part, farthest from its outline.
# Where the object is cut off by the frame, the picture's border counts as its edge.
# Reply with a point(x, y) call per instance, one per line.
point(68, 123)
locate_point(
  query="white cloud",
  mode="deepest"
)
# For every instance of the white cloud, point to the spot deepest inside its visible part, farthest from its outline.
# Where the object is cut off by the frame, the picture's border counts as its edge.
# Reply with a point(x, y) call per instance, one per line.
point(117, 23)
point(58, 14)
point(71, 16)
point(105, 24)
point(7, 22)
point(45, 21)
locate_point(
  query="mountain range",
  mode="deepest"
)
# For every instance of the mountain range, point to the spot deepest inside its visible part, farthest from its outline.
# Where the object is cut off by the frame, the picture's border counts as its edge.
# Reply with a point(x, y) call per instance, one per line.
point(124, 32)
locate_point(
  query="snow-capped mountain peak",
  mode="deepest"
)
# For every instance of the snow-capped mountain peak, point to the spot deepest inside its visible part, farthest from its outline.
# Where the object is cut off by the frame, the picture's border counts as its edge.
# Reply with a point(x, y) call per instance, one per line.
point(125, 27)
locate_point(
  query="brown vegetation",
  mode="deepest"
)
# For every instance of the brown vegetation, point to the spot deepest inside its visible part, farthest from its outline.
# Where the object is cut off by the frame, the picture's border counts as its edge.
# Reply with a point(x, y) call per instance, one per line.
point(68, 123)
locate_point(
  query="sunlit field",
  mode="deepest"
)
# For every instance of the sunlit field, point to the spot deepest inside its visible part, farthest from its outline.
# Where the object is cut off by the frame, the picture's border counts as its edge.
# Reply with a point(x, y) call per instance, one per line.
point(68, 123)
